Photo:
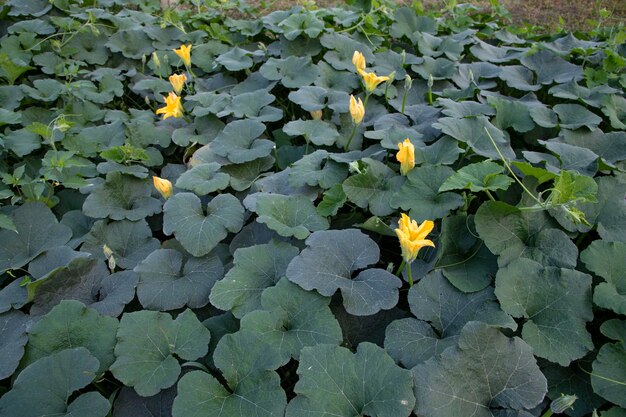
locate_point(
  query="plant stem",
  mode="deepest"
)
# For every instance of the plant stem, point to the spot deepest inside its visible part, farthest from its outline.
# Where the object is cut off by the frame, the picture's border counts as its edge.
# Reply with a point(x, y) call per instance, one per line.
point(489, 195)
point(547, 413)
point(406, 93)
point(345, 148)
point(400, 268)
point(430, 96)
point(511, 170)
point(410, 276)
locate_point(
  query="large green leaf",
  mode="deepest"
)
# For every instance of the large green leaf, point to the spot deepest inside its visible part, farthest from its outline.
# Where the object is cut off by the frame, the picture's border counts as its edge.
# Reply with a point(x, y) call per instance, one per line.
point(203, 179)
point(13, 337)
point(36, 230)
point(318, 132)
point(473, 131)
point(292, 72)
point(463, 257)
point(610, 211)
point(70, 325)
point(574, 116)
point(235, 59)
point(608, 260)
point(44, 388)
point(373, 188)
point(330, 259)
point(299, 23)
point(433, 300)
point(556, 303)
point(609, 368)
point(198, 232)
point(146, 344)
point(122, 197)
point(550, 68)
point(317, 168)
point(250, 388)
point(86, 280)
point(288, 215)
point(291, 319)
point(132, 43)
point(239, 142)
point(487, 371)
point(512, 233)
point(336, 382)
point(169, 280)
point(255, 268)
point(420, 193)
point(486, 175)
point(129, 241)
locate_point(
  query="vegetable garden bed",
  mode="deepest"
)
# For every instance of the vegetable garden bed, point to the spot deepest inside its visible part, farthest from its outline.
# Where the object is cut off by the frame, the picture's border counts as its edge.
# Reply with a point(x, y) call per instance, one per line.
point(334, 212)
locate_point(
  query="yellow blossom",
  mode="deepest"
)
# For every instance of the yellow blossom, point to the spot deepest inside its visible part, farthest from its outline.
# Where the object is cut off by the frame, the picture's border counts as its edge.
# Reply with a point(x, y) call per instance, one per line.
point(359, 62)
point(173, 107)
point(413, 236)
point(317, 115)
point(406, 156)
point(357, 110)
point(372, 80)
point(184, 52)
point(163, 186)
point(178, 82)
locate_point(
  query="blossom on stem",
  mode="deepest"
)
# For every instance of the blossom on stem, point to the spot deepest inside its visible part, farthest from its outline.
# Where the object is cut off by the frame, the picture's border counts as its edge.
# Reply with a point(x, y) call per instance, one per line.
point(372, 80)
point(413, 236)
point(357, 110)
point(163, 186)
point(406, 156)
point(359, 62)
point(184, 52)
point(178, 82)
point(173, 107)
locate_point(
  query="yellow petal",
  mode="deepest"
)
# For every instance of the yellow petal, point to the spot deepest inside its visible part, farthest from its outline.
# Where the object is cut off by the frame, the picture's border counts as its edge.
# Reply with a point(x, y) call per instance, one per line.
point(178, 82)
point(357, 110)
point(163, 186)
point(184, 52)
point(372, 80)
point(406, 156)
point(359, 61)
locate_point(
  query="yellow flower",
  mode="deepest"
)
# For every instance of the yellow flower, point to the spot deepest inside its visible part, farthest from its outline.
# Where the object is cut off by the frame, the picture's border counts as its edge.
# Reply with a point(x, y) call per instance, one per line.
point(357, 110)
point(413, 236)
point(359, 62)
point(178, 82)
point(184, 52)
point(317, 114)
point(172, 108)
point(372, 80)
point(406, 156)
point(163, 186)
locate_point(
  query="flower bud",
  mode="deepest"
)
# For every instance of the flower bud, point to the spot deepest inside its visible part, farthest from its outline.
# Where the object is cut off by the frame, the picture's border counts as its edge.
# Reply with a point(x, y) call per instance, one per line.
point(163, 186)
point(357, 110)
point(431, 81)
point(563, 403)
point(408, 82)
point(156, 60)
point(317, 115)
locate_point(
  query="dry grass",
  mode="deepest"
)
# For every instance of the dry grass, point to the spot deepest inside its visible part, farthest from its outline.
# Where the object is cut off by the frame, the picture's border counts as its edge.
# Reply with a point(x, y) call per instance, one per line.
point(577, 15)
